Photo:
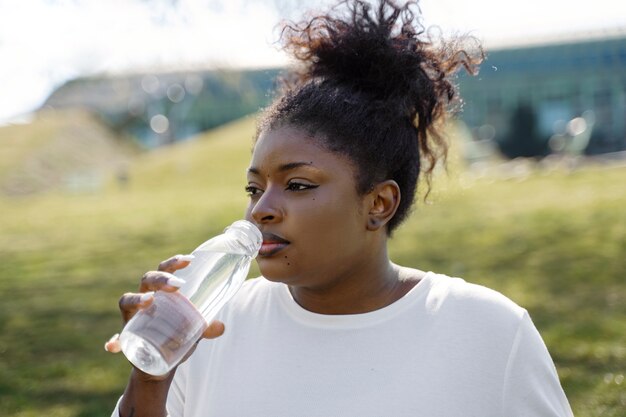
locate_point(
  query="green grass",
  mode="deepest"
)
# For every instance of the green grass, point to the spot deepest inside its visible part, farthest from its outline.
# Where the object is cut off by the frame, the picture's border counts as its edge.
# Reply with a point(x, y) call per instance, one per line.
point(553, 242)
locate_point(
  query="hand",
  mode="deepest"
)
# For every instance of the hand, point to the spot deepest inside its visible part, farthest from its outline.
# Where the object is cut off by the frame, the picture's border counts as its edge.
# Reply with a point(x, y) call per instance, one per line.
point(160, 280)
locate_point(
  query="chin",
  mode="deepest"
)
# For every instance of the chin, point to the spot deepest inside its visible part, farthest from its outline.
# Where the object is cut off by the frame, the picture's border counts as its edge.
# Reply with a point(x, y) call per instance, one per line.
point(276, 270)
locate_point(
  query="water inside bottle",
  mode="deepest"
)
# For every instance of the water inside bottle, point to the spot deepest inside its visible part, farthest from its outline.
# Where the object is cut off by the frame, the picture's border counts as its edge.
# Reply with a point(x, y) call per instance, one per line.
point(168, 329)
point(214, 280)
point(174, 321)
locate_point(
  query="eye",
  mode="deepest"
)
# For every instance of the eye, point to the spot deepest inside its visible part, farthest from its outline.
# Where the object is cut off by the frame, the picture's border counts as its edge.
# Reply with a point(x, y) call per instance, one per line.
point(299, 186)
point(252, 190)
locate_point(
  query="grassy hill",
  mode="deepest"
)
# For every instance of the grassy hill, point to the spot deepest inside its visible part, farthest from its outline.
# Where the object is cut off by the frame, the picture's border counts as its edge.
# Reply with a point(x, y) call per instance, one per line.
point(70, 149)
point(553, 241)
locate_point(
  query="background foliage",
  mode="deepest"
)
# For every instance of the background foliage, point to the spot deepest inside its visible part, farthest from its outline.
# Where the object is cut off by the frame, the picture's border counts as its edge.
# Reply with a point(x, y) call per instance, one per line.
point(553, 240)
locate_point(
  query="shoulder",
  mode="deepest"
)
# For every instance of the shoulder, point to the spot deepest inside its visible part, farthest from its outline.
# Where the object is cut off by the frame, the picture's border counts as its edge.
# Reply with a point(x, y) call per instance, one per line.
point(480, 324)
point(466, 301)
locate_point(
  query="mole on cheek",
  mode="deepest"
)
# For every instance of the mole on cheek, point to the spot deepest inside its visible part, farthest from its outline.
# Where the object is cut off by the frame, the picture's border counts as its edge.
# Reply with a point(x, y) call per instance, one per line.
point(288, 264)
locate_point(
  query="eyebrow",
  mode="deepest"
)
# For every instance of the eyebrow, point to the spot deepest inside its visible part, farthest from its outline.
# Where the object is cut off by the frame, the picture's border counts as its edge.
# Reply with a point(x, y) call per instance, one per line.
point(284, 167)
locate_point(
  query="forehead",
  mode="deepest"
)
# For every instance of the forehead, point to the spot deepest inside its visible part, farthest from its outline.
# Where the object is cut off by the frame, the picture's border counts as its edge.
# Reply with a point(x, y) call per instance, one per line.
point(288, 144)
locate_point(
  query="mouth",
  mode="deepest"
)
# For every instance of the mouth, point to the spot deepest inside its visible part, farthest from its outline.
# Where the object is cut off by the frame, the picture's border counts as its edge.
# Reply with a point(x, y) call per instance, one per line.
point(272, 244)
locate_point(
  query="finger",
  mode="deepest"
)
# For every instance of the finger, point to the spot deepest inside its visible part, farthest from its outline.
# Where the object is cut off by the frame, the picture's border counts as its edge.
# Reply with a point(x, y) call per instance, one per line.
point(113, 344)
point(129, 303)
point(160, 281)
point(216, 329)
point(175, 263)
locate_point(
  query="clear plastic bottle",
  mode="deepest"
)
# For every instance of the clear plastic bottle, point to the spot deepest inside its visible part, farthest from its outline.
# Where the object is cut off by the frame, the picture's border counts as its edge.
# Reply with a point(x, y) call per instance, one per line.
point(157, 338)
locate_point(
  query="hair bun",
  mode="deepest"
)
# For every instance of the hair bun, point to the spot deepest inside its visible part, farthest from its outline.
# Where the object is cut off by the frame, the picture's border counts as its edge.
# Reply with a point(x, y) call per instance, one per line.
point(372, 49)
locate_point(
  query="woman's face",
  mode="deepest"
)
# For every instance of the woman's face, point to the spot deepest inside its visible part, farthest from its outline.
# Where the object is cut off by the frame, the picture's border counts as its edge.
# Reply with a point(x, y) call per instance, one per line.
point(304, 200)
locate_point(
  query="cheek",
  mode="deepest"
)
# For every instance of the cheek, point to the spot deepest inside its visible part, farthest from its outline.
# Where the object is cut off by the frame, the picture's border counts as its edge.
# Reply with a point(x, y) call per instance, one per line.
point(328, 225)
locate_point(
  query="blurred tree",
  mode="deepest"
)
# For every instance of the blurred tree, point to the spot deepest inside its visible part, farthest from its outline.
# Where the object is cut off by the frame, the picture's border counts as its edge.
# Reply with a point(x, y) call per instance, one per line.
point(523, 138)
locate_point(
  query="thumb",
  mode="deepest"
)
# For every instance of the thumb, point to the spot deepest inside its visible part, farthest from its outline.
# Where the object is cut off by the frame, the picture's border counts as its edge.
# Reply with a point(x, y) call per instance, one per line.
point(215, 329)
point(113, 344)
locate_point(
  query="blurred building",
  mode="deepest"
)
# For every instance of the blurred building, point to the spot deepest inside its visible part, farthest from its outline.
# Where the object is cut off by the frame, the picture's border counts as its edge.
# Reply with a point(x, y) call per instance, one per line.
point(567, 96)
point(160, 108)
point(538, 99)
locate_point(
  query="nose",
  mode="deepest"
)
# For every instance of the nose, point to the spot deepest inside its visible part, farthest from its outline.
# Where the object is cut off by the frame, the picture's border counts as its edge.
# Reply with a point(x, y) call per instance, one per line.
point(266, 209)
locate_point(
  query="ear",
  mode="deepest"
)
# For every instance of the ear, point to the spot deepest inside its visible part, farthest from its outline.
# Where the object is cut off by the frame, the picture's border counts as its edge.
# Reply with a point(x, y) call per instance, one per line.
point(384, 200)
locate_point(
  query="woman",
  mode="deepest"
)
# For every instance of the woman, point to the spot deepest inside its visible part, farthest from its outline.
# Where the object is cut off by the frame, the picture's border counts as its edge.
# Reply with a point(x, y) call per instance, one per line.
point(334, 328)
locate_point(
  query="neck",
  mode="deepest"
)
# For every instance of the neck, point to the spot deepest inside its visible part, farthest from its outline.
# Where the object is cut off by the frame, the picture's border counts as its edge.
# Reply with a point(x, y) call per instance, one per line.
point(372, 283)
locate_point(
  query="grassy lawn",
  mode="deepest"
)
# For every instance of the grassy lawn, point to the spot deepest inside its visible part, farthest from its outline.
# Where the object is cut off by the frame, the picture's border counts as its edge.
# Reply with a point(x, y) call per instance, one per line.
point(553, 241)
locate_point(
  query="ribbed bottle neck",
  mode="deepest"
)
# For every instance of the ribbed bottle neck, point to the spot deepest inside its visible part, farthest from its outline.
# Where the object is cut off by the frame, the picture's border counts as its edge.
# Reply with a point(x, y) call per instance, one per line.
point(247, 235)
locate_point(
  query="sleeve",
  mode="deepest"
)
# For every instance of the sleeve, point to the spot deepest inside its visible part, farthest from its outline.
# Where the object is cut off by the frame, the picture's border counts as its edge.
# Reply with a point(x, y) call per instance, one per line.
point(116, 410)
point(531, 384)
point(176, 396)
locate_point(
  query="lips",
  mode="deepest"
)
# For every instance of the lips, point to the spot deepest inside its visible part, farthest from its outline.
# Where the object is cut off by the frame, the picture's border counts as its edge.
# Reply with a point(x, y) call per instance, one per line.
point(272, 244)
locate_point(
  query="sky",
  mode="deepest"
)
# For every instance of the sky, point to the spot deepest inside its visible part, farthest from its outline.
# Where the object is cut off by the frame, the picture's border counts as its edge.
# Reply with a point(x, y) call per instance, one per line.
point(44, 43)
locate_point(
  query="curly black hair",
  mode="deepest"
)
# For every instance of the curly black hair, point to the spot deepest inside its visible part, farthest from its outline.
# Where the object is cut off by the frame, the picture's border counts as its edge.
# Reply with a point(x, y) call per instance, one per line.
point(373, 86)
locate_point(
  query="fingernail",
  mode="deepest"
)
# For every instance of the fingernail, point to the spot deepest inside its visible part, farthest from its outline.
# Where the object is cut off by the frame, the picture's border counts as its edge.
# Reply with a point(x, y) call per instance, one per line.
point(175, 282)
point(111, 340)
point(185, 258)
point(146, 296)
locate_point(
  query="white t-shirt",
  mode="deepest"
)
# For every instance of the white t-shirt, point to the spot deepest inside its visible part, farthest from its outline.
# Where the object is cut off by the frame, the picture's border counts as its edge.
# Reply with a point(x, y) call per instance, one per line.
point(446, 349)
